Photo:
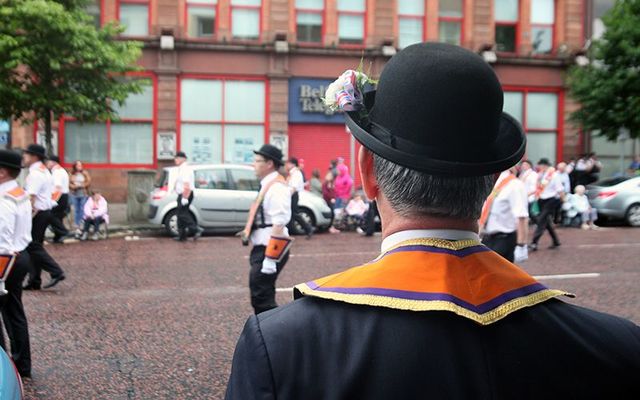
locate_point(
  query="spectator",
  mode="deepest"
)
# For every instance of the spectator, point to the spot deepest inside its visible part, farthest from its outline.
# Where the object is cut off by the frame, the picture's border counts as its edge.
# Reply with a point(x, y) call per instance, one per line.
point(356, 210)
point(579, 205)
point(95, 214)
point(329, 196)
point(634, 167)
point(343, 186)
point(315, 185)
point(561, 169)
point(594, 166)
point(79, 188)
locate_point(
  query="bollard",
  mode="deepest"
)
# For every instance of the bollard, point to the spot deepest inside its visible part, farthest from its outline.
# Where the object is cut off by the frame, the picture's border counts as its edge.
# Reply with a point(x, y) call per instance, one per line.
point(139, 186)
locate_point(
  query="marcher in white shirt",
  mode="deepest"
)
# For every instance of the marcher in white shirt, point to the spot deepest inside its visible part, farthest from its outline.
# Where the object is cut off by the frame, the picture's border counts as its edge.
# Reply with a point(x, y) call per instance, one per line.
point(183, 188)
point(39, 185)
point(15, 236)
point(296, 183)
point(504, 216)
point(61, 197)
point(549, 194)
point(561, 170)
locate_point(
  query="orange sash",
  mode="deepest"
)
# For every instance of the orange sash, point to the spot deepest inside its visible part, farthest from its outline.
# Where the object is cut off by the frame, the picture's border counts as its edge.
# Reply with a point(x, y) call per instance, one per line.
point(486, 209)
point(256, 204)
point(6, 264)
point(544, 180)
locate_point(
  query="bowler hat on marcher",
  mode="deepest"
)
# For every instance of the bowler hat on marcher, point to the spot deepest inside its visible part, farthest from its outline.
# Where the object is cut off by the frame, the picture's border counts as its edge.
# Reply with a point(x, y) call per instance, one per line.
point(180, 154)
point(438, 109)
point(544, 161)
point(271, 152)
point(10, 159)
point(55, 159)
point(36, 150)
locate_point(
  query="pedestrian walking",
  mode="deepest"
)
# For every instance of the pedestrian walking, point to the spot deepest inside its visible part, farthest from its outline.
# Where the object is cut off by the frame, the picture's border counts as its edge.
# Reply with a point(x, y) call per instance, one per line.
point(504, 217)
point(183, 188)
point(266, 229)
point(61, 197)
point(549, 197)
point(15, 236)
point(437, 314)
point(529, 177)
point(296, 184)
point(315, 184)
point(39, 186)
point(79, 189)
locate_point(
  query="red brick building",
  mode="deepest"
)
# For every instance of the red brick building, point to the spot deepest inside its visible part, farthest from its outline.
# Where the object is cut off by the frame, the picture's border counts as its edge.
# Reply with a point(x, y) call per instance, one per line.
point(228, 75)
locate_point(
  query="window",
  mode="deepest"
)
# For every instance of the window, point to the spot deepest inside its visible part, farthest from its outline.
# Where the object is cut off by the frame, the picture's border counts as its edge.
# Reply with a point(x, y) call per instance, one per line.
point(201, 18)
point(245, 179)
point(542, 21)
point(506, 17)
point(538, 113)
point(351, 21)
point(128, 141)
point(134, 16)
point(450, 16)
point(211, 179)
point(410, 22)
point(309, 20)
point(93, 8)
point(245, 19)
point(222, 120)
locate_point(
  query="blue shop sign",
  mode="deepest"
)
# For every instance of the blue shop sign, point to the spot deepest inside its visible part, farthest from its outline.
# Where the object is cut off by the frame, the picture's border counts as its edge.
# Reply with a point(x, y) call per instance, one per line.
point(5, 129)
point(305, 102)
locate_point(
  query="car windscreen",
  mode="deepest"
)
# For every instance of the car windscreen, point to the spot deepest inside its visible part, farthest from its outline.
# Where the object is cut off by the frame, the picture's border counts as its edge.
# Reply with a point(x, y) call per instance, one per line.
point(611, 181)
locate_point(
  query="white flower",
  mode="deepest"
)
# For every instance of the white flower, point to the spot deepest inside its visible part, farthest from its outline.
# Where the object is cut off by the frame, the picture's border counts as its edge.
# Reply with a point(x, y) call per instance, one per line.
point(346, 91)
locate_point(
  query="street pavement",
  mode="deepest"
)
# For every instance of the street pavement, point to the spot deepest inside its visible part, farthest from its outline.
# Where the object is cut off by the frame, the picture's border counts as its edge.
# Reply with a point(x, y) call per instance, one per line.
point(157, 319)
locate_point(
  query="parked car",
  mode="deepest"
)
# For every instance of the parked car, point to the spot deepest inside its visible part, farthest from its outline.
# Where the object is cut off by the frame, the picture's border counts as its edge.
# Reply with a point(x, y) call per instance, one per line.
point(10, 382)
point(223, 194)
point(617, 198)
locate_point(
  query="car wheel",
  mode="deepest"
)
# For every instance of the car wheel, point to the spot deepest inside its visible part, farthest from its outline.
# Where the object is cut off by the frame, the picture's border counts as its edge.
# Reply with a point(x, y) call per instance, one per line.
point(307, 215)
point(633, 215)
point(171, 223)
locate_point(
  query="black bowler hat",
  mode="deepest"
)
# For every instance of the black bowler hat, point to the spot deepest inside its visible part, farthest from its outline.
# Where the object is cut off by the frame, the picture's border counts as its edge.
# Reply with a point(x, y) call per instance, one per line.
point(271, 152)
point(544, 161)
point(438, 109)
point(36, 150)
point(181, 154)
point(54, 159)
point(10, 159)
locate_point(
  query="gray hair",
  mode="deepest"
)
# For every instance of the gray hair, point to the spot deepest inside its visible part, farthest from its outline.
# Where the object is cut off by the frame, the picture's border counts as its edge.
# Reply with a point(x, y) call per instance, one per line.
point(415, 193)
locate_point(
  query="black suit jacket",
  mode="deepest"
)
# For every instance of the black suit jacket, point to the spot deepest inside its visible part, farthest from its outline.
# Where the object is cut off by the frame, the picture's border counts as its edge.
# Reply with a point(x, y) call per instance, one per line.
point(316, 349)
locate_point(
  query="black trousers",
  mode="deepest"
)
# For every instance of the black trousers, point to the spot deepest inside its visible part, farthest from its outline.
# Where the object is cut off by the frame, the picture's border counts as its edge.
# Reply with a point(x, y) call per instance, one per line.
point(502, 243)
point(59, 212)
point(14, 318)
point(263, 286)
point(40, 259)
point(88, 222)
point(186, 224)
point(295, 215)
point(547, 211)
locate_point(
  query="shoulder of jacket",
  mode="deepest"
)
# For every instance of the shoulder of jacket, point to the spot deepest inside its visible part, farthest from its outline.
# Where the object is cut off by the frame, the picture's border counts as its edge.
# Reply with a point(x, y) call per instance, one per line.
point(17, 195)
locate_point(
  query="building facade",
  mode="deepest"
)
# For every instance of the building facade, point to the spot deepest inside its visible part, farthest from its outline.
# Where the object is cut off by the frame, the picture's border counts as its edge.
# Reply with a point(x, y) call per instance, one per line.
point(226, 76)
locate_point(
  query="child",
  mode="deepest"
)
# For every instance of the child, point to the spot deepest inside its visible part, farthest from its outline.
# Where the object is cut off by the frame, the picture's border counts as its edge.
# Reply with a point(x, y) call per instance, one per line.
point(95, 213)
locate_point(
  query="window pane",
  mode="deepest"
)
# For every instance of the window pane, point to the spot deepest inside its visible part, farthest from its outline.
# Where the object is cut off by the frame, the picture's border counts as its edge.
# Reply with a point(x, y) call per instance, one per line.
point(201, 100)
point(309, 27)
point(85, 142)
point(244, 101)
point(256, 3)
point(409, 31)
point(513, 104)
point(310, 4)
point(542, 11)
point(137, 106)
point(449, 32)
point(135, 17)
point(541, 145)
point(245, 23)
point(245, 179)
point(131, 143)
point(506, 38)
point(202, 143)
point(352, 5)
point(450, 8)
point(210, 2)
point(240, 141)
point(93, 9)
point(541, 39)
point(411, 7)
point(211, 179)
point(201, 21)
point(351, 28)
point(506, 10)
point(542, 110)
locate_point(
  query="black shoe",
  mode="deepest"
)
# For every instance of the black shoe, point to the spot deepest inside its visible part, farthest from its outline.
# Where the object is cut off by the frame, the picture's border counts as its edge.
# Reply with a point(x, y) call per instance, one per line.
point(533, 247)
point(198, 234)
point(179, 239)
point(54, 281)
point(310, 233)
point(554, 246)
point(25, 374)
point(31, 286)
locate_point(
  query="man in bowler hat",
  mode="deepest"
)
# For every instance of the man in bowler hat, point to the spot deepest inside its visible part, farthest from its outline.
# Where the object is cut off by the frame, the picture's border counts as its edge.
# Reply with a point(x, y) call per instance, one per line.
point(183, 188)
point(437, 314)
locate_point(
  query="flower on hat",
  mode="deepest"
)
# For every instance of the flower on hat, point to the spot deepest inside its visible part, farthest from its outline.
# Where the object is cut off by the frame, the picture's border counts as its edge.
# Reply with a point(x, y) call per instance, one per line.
point(346, 92)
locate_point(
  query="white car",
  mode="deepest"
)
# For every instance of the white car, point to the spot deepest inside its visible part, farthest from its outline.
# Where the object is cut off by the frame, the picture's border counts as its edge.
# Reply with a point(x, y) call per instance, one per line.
point(223, 194)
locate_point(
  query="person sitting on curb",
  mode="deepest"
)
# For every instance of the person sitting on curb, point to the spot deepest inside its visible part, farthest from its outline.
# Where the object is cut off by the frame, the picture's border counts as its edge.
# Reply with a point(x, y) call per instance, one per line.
point(579, 206)
point(95, 214)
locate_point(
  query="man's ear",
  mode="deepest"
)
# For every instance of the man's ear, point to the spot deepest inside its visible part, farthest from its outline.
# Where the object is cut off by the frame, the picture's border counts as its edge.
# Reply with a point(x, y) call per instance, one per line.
point(367, 173)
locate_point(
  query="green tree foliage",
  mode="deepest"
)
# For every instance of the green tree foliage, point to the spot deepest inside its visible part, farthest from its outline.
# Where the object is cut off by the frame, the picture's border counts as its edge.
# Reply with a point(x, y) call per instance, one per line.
point(53, 61)
point(609, 87)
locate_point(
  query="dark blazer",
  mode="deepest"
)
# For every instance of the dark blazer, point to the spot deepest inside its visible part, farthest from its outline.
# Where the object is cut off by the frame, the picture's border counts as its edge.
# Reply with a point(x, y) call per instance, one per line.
point(314, 349)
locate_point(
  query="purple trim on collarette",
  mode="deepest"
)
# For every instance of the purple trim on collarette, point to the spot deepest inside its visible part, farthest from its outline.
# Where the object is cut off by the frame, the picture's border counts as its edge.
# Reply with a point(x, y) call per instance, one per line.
point(410, 295)
point(433, 249)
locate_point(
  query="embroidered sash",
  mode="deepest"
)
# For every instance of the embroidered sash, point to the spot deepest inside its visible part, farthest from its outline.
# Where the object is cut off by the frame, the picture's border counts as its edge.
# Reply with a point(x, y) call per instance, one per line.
point(488, 204)
point(463, 277)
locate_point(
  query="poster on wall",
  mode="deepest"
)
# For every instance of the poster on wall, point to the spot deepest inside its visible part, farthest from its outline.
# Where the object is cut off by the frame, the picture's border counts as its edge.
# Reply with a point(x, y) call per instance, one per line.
point(243, 150)
point(5, 129)
point(281, 141)
point(201, 149)
point(41, 140)
point(166, 145)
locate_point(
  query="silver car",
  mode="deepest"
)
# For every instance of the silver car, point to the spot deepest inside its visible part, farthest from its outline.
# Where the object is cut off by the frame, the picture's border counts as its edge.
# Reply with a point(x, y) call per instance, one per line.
point(617, 198)
point(223, 194)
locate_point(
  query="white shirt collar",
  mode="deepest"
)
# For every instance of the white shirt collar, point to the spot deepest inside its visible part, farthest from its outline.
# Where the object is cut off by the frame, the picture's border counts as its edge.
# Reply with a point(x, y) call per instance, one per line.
point(450, 234)
point(35, 165)
point(7, 186)
point(268, 178)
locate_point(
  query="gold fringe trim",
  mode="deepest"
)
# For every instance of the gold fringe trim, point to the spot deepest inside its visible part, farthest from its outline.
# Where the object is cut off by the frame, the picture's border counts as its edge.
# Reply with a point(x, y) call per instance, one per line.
point(437, 305)
point(440, 243)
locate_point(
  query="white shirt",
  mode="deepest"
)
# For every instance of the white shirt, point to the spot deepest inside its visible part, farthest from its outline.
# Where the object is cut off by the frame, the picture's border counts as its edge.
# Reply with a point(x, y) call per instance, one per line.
point(60, 179)
point(566, 181)
point(39, 183)
point(296, 180)
point(449, 234)
point(553, 184)
point(277, 209)
point(185, 177)
point(510, 204)
point(15, 220)
point(530, 180)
